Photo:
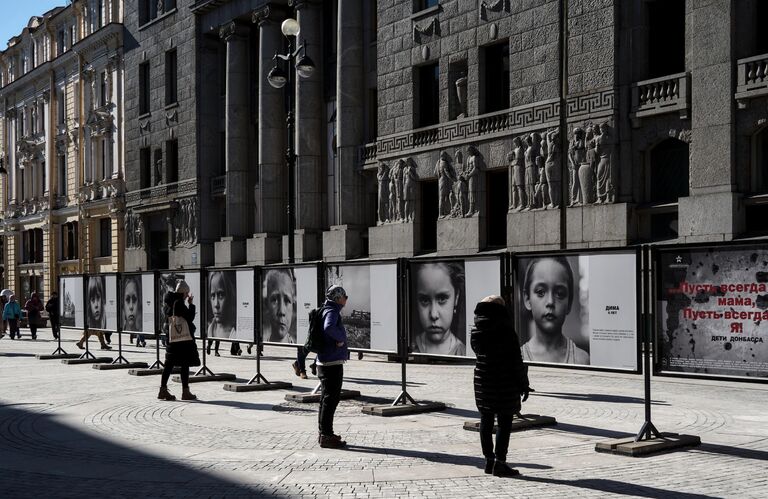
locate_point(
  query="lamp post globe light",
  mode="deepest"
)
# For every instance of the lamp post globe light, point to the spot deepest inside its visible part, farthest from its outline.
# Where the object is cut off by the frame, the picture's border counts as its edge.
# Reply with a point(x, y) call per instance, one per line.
point(278, 78)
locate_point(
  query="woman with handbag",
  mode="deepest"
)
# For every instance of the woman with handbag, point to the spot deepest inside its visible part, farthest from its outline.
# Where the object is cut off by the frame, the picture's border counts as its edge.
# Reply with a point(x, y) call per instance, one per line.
point(181, 349)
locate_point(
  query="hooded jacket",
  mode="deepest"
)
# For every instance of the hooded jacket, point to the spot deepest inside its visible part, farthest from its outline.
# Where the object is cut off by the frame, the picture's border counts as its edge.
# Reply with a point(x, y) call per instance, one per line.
point(500, 375)
point(334, 332)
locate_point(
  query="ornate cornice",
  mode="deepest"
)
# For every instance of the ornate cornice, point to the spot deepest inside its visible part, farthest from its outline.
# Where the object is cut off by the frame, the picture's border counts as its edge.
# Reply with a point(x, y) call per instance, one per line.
point(232, 29)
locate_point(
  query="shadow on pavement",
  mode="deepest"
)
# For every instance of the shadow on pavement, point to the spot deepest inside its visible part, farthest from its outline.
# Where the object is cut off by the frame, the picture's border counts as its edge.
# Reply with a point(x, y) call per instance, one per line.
point(370, 381)
point(15, 354)
point(590, 430)
point(41, 457)
point(236, 404)
point(616, 487)
point(437, 457)
point(597, 397)
point(727, 450)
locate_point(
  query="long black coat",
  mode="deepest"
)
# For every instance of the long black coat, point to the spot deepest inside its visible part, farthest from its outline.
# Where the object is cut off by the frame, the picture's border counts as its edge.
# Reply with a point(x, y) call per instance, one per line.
point(500, 375)
point(181, 353)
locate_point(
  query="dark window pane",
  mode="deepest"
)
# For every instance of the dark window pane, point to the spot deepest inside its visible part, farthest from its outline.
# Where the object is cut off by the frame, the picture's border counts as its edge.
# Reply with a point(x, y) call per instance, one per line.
point(428, 81)
point(496, 78)
point(669, 171)
point(666, 37)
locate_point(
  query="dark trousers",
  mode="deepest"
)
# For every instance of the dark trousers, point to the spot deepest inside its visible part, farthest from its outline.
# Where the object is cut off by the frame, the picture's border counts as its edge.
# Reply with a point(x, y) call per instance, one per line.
point(331, 378)
point(13, 325)
point(55, 327)
point(168, 369)
point(301, 359)
point(32, 321)
point(502, 435)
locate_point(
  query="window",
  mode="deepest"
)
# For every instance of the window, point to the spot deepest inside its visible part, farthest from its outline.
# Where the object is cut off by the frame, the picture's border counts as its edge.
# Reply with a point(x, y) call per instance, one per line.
point(151, 9)
point(425, 4)
point(100, 13)
point(667, 183)
point(145, 172)
point(143, 88)
point(105, 237)
point(428, 95)
point(61, 107)
point(172, 158)
point(496, 77)
point(69, 241)
point(103, 89)
point(761, 16)
point(61, 41)
point(61, 168)
point(372, 130)
point(32, 246)
point(171, 76)
point(666, 37)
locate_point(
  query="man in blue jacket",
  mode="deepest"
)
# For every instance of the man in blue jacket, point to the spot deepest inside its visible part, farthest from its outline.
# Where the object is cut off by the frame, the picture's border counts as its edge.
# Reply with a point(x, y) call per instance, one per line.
point(330, 365)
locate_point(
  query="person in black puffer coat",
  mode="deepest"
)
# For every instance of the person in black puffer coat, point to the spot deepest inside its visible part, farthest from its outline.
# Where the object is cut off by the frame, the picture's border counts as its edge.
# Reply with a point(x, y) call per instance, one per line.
point(501, 379)
point(182, 353)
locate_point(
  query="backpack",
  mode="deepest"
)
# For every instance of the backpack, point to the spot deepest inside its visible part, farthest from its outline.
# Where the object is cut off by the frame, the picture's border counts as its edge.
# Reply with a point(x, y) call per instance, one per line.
point(316, 337)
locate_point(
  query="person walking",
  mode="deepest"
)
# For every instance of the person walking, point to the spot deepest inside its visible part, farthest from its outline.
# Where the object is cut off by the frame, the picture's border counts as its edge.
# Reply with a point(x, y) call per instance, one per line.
point(52, 307)
point(33, 306)
point(12, 314)
point(300, 365)
point(180, 353)
point(500, 380)
point(330, 365)
point(3, 322)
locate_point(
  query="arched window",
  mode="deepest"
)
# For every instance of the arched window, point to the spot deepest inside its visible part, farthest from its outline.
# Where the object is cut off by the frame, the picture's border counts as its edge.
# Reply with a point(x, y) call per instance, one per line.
point(668, 171)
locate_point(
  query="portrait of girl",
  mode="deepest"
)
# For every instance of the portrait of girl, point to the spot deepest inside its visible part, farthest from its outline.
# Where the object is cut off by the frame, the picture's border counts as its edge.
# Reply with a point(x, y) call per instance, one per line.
point(548, 292)
point(97, 318)
point(221, 305)
point(438, 310)
point(131, 303)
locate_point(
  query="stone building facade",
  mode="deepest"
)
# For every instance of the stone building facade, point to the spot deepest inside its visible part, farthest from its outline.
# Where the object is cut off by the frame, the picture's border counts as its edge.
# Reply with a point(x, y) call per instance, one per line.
point(655, 132)
point(165, 190)
point(61, 146)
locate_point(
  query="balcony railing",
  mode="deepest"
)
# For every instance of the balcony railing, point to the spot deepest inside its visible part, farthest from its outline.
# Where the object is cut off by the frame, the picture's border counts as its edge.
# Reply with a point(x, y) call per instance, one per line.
point(219, 185)
point(661, 95)
point(752, 79)
point(368, 154)
point(160, 192)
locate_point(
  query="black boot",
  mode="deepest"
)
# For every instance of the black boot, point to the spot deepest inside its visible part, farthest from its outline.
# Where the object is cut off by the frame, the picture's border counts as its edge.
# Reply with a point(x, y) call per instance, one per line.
point(489, 462)
point(501, 469)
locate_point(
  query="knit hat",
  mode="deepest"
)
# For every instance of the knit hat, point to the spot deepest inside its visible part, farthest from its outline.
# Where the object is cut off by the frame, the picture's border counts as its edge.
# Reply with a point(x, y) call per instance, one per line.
point(334, 292)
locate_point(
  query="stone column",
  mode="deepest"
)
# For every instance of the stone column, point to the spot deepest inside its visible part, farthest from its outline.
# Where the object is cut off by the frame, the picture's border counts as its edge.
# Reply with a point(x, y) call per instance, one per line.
point(343, 241)
point(309, 135)
point(713, 210)
point(270, 191)
point(236, 129)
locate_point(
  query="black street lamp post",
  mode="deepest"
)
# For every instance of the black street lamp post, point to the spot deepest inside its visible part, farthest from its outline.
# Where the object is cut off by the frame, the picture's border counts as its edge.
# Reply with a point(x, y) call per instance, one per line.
point(278, 79)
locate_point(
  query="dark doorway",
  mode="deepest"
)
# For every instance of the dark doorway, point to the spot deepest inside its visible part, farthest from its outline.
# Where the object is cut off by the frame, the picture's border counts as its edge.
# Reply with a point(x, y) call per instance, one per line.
point(158, 242)
point(666, 37)
point(429, 213)
point(497, 205)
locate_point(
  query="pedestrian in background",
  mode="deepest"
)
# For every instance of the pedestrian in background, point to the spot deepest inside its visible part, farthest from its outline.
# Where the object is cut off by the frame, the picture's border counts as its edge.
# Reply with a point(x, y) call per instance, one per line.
point(12, 314)
point(501, 379)
point(52, 307)
point(33, 306)
point(330, 365)
point(3, 322)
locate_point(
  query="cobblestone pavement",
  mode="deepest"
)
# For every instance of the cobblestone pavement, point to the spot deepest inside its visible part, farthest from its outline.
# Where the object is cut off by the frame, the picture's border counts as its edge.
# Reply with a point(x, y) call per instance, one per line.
point(72, 431)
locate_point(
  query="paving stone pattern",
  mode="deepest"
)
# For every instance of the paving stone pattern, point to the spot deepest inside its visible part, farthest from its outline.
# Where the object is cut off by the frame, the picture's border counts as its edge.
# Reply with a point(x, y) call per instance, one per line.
point(72, 431)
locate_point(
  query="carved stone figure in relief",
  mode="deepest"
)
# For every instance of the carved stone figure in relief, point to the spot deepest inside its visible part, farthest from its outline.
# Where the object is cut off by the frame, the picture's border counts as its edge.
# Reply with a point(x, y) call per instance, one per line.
point(603, 150)
point(531, 171)
point(586, 171)
point(382, 175)
point(542, 189)
point(139, 231)
point(459, 201)
point(193, 221)
point(392, 193)
point(446, 178)
point(577, 153)
point(400, 166)
point(130, 238)
point(158, 171)
point(472, 174)
point(552, 168)
point(410, 179)
point(516, 160)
